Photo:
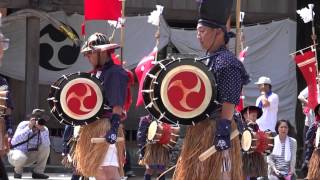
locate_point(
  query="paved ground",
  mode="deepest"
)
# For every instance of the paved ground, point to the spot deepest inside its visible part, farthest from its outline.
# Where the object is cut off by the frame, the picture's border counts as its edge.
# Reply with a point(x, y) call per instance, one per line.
point(60, 176)
point(53, 176)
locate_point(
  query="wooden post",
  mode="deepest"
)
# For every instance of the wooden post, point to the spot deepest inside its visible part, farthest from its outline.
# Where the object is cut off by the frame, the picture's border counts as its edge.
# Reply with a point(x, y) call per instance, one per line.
point(238, 38)
point(122, 32)
point(32, 63)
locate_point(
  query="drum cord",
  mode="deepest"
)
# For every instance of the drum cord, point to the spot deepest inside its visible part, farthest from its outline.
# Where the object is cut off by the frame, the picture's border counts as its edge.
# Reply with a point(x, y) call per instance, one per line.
point(140, 149)
point(165, 172)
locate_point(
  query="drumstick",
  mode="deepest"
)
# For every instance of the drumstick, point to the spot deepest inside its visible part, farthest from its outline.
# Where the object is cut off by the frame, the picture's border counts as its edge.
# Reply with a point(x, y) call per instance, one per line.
point(205, 155)
point(103, 140)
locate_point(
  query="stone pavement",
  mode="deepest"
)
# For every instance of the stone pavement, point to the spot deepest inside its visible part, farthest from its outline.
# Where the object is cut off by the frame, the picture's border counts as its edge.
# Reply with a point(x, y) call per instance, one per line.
point(65, 176)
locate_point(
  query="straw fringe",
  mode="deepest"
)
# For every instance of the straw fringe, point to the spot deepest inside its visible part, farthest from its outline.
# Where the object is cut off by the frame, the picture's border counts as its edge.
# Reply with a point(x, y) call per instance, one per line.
point(197, 140)
point(89, 156)
point(121, 149)
point(3, 139)
point(156, 154)
point(254, 165)
point(314, 166)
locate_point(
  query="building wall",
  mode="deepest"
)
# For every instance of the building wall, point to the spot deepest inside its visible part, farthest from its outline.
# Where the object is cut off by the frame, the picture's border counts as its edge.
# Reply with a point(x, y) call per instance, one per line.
point(175, 10)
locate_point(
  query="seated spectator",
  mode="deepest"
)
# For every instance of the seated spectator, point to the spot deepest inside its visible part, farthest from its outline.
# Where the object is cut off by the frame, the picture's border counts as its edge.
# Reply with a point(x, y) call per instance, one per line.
point(283, 157)
point(30, 144)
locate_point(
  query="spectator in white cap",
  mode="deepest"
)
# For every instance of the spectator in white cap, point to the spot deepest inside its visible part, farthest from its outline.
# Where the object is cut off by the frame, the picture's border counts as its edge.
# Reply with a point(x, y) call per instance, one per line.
point(269, 102)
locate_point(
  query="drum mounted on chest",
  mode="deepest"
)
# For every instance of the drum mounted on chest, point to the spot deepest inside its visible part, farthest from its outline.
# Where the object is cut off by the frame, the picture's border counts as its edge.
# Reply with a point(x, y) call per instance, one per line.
point(165, 134)
point(76, 99)
point(260, 141)
point(179, 91)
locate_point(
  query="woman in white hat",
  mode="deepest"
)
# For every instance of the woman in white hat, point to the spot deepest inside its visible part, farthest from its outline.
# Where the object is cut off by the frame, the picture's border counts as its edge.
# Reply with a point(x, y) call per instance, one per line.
point(268, 101)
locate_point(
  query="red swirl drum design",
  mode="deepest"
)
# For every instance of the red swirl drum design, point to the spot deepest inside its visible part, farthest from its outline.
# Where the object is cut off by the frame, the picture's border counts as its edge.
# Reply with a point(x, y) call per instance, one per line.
point(77, 99)
point(180, 91)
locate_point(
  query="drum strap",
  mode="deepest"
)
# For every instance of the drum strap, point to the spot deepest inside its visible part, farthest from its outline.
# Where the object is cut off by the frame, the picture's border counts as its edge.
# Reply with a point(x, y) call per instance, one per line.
point(23, 142)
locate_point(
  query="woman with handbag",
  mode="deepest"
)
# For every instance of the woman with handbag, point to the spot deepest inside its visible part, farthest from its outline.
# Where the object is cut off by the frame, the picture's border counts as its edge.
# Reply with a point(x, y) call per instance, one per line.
point(282, 160)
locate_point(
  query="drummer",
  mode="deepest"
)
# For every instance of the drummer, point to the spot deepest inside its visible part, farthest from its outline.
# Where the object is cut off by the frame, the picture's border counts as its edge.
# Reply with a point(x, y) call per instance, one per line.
point(312, 154)
point(103, 161)
point(250, 114)
point(254, 164)
point(154, 157)
point(230, 76)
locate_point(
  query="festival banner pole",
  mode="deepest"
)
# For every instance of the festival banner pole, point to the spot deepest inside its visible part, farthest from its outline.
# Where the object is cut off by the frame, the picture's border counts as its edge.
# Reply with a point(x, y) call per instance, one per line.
point(122, 32)
point(238, 7)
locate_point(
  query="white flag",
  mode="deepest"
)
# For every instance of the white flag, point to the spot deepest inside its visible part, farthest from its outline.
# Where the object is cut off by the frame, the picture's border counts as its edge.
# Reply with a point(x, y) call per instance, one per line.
point(154, 17)
point(306, 14)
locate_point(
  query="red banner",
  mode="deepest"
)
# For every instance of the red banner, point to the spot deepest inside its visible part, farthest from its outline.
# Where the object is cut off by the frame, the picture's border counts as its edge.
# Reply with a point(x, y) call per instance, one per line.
point(307, 65)
point(141, 71)
point(240, 106)
point(102, 9)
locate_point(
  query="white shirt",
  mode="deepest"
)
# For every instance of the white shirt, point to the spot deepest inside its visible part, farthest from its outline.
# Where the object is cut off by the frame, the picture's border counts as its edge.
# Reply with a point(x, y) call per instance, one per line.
point(269, 119)
point(310, 116)
point(23, 132)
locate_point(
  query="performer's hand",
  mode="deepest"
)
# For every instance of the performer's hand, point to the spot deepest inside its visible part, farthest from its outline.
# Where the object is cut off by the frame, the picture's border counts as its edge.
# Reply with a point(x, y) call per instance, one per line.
point(111, 137)
point(265, 102)
point(222, 137)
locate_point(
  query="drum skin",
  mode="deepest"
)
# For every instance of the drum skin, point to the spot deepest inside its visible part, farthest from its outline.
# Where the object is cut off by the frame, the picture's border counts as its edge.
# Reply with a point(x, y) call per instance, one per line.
point(77, 99)
point(183, 91)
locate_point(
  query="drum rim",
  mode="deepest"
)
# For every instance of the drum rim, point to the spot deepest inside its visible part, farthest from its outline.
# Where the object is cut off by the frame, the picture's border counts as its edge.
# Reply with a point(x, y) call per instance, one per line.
point(70, 77)
point(147, 84)
point(271, 147)
point(317, 138)
point(187, 121)
point(52, 102)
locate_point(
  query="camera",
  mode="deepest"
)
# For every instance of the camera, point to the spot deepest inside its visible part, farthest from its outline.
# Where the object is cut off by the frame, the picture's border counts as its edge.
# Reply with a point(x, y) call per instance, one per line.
point(41, 121)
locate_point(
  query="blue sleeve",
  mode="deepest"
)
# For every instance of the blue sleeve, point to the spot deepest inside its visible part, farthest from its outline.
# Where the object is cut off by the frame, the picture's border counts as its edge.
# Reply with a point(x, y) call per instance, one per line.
point(8, 118)
point(3, 82)
point(143, 130)
point(9, 124)
point(116, 87)
point(67, 135)
point(311, 134)
point(229, 80)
